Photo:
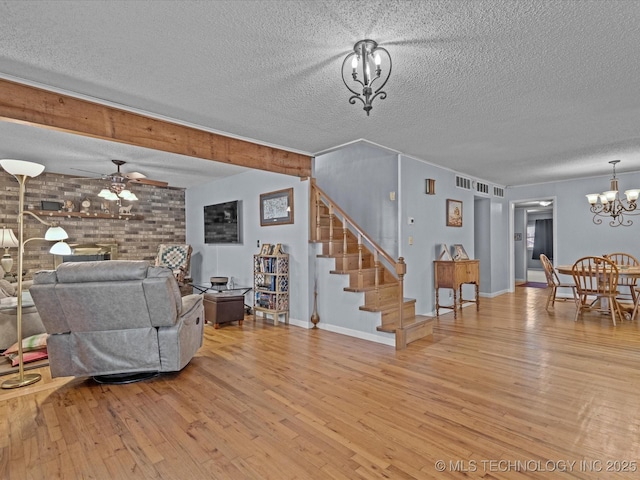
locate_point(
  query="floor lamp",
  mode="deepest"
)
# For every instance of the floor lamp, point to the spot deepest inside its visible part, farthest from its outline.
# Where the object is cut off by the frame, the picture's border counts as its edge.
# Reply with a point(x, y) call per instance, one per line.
point(22, 170)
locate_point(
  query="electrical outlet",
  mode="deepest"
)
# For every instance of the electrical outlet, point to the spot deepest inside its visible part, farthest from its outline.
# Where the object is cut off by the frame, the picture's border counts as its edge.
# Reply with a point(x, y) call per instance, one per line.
point(258, 243)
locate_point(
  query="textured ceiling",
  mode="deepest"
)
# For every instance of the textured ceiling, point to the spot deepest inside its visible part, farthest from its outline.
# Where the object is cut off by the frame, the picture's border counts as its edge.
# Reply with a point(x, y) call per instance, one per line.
point(513, 92)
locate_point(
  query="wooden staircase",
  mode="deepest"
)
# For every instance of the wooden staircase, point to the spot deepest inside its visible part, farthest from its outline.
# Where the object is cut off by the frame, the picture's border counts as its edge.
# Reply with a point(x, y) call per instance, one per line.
point(366, 265)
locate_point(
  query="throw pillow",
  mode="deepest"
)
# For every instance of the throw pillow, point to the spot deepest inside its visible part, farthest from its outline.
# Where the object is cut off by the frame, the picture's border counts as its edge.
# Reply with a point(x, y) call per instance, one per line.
point(7, 288)
point(34, 342)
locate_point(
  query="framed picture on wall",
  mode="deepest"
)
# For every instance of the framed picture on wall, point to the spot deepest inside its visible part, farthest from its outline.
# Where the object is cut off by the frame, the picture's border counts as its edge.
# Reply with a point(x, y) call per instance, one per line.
point(276, 208)
point(454, 213)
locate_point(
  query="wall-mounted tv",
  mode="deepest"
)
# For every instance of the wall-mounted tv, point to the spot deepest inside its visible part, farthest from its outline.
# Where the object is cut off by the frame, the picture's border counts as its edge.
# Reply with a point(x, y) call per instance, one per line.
point(222, 222)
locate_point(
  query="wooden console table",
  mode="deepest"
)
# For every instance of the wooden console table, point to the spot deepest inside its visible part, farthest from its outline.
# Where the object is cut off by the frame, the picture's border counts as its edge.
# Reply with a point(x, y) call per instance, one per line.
point(453, 274)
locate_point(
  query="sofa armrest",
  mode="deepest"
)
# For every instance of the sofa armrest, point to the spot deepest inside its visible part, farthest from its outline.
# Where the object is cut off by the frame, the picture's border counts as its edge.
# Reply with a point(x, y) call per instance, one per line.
point(190, 303)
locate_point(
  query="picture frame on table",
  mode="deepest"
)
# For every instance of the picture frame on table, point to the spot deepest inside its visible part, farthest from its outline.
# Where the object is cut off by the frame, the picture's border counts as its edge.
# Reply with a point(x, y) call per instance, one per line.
point(459, 253)
point(444, 253)
point(266, 249)
point(454, 213)
point(276, 208)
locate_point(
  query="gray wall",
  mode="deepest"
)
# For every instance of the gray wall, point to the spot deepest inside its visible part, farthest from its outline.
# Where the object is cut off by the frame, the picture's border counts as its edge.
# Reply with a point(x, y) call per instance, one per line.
point(373, 171)
point(237, 260)
point(360, 178)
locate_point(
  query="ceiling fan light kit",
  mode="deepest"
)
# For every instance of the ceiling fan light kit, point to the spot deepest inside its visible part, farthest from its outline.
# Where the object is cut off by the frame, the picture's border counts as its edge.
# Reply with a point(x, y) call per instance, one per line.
point(611, 205)
point(366, 61)
point(117, 188)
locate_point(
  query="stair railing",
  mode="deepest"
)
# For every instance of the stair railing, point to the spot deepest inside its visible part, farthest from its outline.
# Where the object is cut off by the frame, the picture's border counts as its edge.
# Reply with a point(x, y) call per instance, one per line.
point(318, 199)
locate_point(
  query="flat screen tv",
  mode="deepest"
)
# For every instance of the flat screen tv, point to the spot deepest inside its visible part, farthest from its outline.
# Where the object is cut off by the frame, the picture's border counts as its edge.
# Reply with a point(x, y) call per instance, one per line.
point(222, 222)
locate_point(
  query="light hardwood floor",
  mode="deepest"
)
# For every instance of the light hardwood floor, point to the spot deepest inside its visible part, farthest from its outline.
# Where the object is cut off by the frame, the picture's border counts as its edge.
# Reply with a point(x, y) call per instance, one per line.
point(510, 392)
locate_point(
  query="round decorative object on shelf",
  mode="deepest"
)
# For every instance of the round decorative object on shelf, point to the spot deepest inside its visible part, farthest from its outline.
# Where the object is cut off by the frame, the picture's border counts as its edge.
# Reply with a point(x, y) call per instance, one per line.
point(86, 204)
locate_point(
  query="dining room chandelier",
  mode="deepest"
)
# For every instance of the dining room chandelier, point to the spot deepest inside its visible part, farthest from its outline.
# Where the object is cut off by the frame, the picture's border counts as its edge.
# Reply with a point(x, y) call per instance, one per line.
point(611, 205)
point(366, 69)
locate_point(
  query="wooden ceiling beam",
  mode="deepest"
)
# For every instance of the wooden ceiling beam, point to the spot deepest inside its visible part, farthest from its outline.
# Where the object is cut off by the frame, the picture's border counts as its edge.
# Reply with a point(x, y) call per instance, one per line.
point(34, 106)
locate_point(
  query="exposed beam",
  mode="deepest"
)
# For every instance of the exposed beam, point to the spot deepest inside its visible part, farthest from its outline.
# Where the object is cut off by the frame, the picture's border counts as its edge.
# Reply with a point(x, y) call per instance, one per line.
point(25, 104)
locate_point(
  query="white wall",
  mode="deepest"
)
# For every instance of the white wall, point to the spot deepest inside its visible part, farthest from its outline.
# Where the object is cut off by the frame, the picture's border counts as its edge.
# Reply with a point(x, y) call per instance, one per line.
point(237, 260)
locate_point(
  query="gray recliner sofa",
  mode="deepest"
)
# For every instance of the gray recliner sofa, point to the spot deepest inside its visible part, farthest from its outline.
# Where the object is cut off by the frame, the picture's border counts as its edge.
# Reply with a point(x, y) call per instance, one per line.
point(116, 319)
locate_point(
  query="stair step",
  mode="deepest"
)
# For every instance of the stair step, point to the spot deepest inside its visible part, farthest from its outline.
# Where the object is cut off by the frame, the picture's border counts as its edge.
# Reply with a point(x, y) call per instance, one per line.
point(349, 272)
point(387, 306)
point(369, 288)
point(409, 324)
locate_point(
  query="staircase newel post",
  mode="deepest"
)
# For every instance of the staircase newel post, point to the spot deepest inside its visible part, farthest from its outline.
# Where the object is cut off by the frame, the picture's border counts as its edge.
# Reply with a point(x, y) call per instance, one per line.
point(401, 269)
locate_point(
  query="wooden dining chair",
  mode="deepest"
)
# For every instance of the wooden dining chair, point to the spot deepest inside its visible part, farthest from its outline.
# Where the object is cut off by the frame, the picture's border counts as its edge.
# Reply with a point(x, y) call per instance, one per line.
point(596, 279)
point(628, 284)
point(553, 281)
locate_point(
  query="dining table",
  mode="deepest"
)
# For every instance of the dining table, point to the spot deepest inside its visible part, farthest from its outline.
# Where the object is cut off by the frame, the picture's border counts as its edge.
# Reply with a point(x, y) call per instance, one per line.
point(627, 271)
point(630, 271)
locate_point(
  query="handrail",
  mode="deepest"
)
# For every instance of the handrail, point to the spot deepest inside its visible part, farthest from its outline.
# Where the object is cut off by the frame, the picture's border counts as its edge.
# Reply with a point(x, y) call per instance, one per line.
point(399, 268)
point(351, 222)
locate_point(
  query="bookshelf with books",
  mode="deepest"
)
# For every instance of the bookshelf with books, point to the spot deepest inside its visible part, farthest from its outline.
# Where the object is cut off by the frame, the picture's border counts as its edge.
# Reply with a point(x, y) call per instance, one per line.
point(271, 283)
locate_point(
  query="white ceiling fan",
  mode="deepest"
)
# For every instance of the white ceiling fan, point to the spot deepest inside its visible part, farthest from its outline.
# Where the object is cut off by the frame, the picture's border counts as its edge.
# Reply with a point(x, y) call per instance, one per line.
point(118, 180)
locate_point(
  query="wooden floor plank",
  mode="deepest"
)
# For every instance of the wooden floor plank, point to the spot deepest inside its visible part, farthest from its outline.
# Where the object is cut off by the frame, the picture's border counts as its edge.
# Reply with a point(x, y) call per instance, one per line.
point(512, 383)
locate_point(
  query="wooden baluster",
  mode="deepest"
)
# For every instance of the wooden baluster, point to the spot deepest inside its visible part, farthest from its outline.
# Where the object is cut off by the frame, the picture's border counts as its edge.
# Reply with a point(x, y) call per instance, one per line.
point(330, 229)
point(345, 231)
point(376, 264)
point(318, 222)
point(360, 250)
point(401, 269)
point(376, 281)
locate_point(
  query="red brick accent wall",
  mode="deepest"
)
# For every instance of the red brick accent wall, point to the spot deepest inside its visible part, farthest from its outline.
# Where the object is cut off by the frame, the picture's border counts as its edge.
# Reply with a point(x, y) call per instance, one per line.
point(162, 208)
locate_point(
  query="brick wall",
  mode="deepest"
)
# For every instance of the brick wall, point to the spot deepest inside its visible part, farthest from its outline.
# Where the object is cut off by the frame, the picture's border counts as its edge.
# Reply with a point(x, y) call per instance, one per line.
point(162, 209)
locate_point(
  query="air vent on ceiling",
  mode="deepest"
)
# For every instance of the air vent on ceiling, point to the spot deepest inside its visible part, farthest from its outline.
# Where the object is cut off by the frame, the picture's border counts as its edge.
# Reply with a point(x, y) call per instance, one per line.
point(462, 182)
point(498, 192)
point(482, 188)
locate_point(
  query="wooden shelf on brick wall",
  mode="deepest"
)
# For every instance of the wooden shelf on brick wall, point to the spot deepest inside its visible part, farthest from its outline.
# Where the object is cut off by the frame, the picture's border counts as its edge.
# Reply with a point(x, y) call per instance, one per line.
point(111, 216)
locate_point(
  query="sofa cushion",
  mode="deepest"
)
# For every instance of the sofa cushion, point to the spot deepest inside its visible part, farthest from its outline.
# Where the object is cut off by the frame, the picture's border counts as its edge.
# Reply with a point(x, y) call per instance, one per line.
point(34, 342)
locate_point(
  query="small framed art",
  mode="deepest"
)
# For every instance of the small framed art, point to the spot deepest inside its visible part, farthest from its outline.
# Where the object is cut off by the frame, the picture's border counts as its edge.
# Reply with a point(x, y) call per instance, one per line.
point(454, 213)
point(276, 208)
point(266, 249)
point(459, 253)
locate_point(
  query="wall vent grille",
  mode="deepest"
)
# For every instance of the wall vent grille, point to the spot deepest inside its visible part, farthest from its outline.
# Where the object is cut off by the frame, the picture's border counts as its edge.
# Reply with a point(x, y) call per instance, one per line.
point(462, 182)
point(482, 188)
point(498, 192)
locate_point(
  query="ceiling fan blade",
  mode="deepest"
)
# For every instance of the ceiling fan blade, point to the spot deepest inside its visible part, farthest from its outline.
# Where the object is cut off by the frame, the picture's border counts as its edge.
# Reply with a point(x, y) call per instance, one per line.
point(134, 175)
point(101, 175)
point(148, 181)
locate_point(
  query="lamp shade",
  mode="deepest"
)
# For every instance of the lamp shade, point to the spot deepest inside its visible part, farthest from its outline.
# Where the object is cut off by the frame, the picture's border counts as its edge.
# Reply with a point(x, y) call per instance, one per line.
point(632, 195)
point(60, 248)
point(55, 233)
point(7, 238)
point(21, 167)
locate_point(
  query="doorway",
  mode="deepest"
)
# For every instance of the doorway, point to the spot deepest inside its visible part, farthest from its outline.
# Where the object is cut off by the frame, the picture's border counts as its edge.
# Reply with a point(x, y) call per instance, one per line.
point(524, 216)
